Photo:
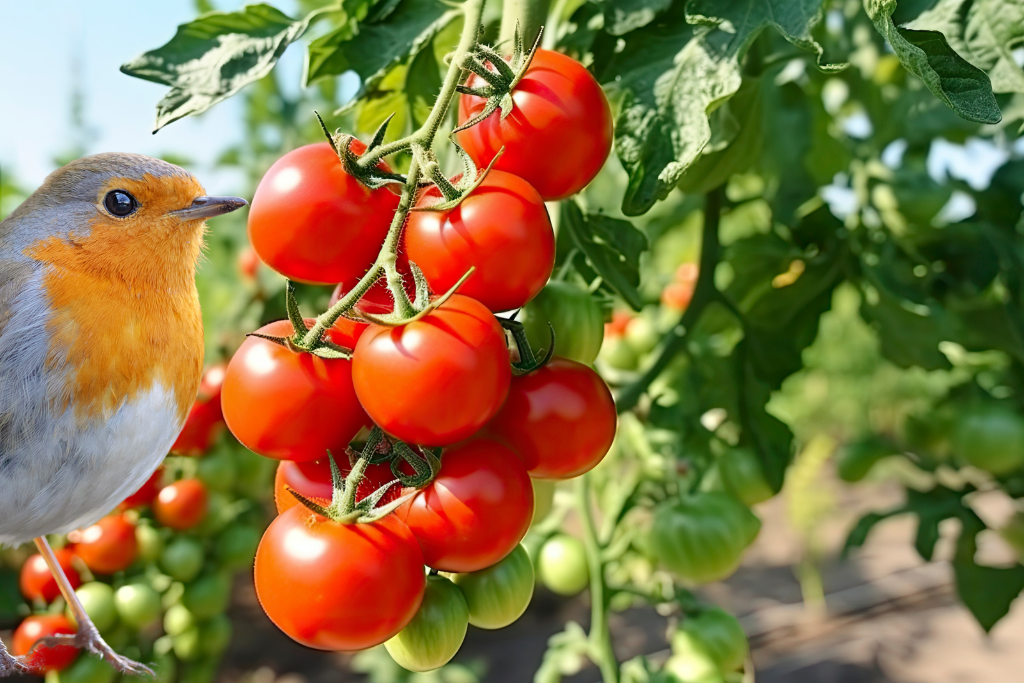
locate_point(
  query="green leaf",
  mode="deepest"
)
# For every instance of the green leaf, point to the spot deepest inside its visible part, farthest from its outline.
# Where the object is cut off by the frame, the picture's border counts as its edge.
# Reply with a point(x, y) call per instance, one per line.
point(612, 248)
point(966, 89)
point(407, 91)
point(771, 438)
point(213, 57)
point(794, 19)
point(623, 16)
point(985, 33)
point(859, 533)
point(988, 592)
point(378, 43)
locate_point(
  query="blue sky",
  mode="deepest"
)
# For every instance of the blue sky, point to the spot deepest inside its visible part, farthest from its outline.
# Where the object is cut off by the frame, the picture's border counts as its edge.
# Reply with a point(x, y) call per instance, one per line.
point(45, 45)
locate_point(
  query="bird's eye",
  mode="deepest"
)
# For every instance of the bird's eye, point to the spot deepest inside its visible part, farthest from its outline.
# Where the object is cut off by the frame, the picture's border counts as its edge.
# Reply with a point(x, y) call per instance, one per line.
point(120, 203)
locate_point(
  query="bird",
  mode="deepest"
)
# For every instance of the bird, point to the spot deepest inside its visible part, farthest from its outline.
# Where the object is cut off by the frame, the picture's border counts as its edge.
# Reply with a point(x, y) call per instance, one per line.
point(101, 349)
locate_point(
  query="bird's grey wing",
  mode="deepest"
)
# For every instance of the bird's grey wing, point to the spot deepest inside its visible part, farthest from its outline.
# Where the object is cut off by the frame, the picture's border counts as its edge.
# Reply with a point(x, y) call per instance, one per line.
point(16, 275)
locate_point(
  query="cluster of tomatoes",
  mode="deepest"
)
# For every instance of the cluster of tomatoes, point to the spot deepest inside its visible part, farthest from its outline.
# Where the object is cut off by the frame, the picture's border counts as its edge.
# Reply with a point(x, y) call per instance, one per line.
point(441, 384)
point(154, 576)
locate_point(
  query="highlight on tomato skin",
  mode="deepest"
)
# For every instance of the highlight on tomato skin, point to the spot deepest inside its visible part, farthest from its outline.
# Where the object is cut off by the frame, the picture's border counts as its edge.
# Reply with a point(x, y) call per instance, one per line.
point(360, 583)
point(37, 582)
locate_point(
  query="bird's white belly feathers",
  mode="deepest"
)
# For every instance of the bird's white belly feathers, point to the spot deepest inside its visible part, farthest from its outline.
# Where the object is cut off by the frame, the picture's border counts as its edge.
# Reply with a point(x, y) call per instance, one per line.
point(69, 477)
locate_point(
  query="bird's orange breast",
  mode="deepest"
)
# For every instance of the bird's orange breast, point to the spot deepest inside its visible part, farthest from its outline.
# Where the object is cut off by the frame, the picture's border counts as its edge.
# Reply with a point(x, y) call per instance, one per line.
point(123, 319)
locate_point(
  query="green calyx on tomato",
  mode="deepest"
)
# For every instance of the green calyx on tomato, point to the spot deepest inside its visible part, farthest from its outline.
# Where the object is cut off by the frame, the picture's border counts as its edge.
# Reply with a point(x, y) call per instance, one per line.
point(701, 537)
point(436, 633)
point(498, 595)
point(573, 314)
point(562, 565)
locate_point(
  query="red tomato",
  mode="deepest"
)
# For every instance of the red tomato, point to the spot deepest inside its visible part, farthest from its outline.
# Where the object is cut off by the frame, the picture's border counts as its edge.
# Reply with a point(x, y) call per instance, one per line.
point(476, 511)
point(248, 263)
point(44, 659)
point(558, 134)
point(437, 380)
point(291, 406)
point(181, 505)
point(337, 586)
point(205, 419)
point(313, 480)
point(108, 546)
point(146, 493)
point(677, 295)
point(311, 221)
point(560, 419)
point(617, 327)
point(37, 582)
point(502, 228)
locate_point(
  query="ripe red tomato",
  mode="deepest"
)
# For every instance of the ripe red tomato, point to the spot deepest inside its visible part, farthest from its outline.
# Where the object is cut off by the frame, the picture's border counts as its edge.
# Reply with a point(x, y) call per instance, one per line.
point(44, 659)
point(558, 134)
point(313, 480)
point(291, 406)
point(146, 493)
point(502, 228)
point(248, 263)
point(437, 380)
point(476, 510)
point(560, 419)
point(337, 586)
point(108, 546)
point(313, 222)
point(181, 505)
point(37, 582)
point(205, 418)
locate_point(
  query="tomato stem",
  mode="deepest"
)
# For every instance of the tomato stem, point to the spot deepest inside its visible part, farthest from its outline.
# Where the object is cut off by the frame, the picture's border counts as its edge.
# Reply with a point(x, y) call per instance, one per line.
point(600, 635)
point(527, 15)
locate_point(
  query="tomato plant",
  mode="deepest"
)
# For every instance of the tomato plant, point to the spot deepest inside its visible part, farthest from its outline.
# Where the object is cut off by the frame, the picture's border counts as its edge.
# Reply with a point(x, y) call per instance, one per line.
point(288, 405)
point(743, 476)
point(147, 492)
point(498, 595)
point(558, 105)
point(44, 658)
point(562, 565)
point(560, 419)
point(311, 221)
point(313, 480)
point(137, 604)
point(476, 511)
point(205, 418)
point(37, 582)
point(991, 439)
point(362, 583)
point(436, 633)
point(98, 600)
point(454, 382)
point(501, 229)
point(569, 311)
point(181, 505)
point(107, 546)
point(720, 635)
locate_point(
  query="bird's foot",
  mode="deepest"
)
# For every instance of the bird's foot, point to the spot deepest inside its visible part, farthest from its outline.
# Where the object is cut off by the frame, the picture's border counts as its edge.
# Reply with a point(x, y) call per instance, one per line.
point(88, 638)
point(10, 665)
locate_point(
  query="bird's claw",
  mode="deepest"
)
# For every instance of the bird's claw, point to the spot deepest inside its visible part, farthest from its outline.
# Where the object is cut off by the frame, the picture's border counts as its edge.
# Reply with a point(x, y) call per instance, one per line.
point(91, 640)
point(11, 665)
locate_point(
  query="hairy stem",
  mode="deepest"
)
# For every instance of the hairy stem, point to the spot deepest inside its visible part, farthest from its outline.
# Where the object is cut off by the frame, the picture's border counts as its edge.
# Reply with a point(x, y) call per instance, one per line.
point(703, 294)
point(600, 636)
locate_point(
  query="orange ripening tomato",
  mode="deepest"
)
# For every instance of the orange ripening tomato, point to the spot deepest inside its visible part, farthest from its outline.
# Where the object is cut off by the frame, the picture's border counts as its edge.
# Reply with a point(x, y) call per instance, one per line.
point(44, 659)
point(677, 295)
point(312, 480)
point(617, 327)
point(437, 380)
point(181, 505)
point(36, 579)
point(313, 222)
point(108, 546)
point(291, 406)
point(334, 586)
point(502, 229)
point(560, 419)
point(557, 136)
point(205, 419)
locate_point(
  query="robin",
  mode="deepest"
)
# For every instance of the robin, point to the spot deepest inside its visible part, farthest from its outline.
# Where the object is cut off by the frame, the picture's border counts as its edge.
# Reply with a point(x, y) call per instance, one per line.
point(101, 348)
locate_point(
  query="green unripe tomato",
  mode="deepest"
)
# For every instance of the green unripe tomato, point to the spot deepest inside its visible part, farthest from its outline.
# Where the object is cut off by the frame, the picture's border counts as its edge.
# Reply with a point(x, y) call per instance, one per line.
point(743, 476)
point(436, 633)
point(691, 663)
point(543, 498)
point(498, 595)
point(98, 600)
point(182, 558)
point(218, 470)
point(207, 596)
point(575, 316)
point(562, 565)
point(178, 620)
point(218, 514)
point(701, 537)
point(86, 669)
point(254, 476)
point(216, 634)
point(721, 636)
point(237, 545)
point(187, 644)
point(617, 353)
point(138, 604)
point(150, 542)
point(857, 458)
point(642, 334)
point(990, 438)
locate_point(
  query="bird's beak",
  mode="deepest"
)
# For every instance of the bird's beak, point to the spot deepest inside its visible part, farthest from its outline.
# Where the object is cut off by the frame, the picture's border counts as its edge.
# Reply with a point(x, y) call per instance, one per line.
point(208, 207)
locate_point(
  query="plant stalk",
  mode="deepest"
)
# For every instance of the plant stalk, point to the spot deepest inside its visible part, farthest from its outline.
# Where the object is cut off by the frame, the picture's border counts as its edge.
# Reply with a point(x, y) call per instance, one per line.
point(530, 15)
point(600, 636)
